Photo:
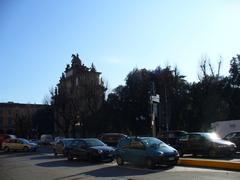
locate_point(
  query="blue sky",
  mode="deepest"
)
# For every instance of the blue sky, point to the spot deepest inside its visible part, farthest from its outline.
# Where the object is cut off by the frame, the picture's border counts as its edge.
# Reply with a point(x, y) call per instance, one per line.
point(37, 39)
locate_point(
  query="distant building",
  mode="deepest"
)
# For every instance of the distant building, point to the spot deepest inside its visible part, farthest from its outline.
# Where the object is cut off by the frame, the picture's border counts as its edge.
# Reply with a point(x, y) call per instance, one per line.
point(14, 115)
point(79, 93)
point(222, 128)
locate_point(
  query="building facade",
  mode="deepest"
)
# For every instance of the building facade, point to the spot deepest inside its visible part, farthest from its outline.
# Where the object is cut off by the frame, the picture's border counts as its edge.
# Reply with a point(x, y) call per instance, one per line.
point(78, 95)
point(14, 116)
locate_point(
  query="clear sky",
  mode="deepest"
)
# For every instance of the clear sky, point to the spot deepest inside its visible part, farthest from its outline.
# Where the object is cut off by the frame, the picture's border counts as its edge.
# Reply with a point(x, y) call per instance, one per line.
point(37, 38)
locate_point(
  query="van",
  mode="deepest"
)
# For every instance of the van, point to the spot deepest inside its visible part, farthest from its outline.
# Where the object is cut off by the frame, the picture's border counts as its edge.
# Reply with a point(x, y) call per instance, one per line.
point(46, 139)
point(111, 139)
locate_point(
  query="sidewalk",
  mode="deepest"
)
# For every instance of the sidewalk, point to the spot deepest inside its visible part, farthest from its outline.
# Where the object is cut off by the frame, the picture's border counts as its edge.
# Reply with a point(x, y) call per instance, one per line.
point(231, 164)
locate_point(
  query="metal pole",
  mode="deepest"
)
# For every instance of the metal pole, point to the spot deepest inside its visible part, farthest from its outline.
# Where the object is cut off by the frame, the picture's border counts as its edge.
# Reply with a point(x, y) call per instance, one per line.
point(153, 123)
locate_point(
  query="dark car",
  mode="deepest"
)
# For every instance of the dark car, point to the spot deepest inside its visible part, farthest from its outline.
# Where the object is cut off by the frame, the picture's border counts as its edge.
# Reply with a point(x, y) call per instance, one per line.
point(111, 139)
point(205, 144)
point(147, 151)
point(61, 146)
point(171, 137)
point(90, 149)
point(234, 137)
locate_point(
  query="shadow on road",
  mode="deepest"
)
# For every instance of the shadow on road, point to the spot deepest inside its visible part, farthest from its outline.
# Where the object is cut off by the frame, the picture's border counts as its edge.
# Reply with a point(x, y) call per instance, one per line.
point(44, 157)
point(114, 171)
point(16, 154)
point(64, 163)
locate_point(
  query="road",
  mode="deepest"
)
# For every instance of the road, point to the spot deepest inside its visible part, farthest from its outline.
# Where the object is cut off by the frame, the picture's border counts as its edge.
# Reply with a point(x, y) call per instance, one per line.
point(44, 166)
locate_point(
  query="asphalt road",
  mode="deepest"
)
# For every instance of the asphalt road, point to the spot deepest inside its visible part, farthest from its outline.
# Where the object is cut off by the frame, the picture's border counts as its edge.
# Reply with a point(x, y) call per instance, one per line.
point(44, 166)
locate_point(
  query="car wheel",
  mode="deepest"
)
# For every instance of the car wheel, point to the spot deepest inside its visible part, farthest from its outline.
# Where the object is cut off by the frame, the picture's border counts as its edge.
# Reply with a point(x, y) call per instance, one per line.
point(149, 163)
point(25, 149)
point(119, 160)
point(194, 154)
point(55, 153)
point(69, 156)
point(180, 152)
point(212, 153)
point(232, 155)
point(6, 149)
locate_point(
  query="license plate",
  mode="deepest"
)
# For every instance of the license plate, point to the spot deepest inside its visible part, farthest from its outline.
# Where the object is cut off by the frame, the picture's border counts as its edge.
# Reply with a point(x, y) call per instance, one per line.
point(110, 155)
point(171, 158)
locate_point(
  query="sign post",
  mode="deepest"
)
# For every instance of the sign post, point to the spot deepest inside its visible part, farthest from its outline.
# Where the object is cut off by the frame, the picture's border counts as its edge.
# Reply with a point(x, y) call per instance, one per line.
point(154, 100)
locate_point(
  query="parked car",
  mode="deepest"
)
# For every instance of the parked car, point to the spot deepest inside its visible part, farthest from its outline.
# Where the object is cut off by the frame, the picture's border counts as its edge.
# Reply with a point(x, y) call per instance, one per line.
point(90, 149)
point(234, 137)
point(4, 137)
point(203, 143)
point(19, 144)
point(46, 139)
point(171, 137)
point(111, 139)
point(147, 151)
point(36, 141)
point(61, 146)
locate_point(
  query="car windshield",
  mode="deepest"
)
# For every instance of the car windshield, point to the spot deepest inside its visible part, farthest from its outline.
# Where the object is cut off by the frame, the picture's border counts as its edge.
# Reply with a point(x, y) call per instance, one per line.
point(94, 142)
point(25, 141)
point(211, 136)
point(152, 142)
point(67, 141)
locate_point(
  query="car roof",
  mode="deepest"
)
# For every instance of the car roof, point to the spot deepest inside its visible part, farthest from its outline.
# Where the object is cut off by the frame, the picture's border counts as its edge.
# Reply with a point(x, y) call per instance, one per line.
point(112, 134)
point(233, 132)
point(200, 133)
point(139, 137)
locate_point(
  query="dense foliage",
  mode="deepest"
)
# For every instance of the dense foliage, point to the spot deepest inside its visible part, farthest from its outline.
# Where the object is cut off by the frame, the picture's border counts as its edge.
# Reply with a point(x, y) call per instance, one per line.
point(183, 105)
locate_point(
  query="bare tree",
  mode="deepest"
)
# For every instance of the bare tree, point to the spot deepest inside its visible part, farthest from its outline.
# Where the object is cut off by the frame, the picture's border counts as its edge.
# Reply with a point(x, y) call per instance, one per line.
point(207, 70)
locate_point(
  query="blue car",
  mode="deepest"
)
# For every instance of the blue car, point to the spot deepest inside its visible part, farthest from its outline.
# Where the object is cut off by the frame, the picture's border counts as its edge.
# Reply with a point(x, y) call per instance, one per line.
point(147, 151)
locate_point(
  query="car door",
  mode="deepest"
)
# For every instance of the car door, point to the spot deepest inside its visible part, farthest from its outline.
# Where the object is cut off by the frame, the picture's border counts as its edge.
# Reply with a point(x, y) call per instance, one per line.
point(123, 149)
point(19, 144)
point(197, 143)
point(59, 147)
point(183, 144)
point(137, 152)
point(235, 138)
point(81, 150)
point(12, 144)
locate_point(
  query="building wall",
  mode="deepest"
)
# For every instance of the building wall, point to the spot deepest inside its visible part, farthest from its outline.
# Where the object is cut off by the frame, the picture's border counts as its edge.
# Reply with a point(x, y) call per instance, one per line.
point(10, 113)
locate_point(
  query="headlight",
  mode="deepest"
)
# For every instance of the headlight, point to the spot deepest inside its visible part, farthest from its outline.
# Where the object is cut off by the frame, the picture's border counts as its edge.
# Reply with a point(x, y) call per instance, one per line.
point(100, 151)
point(160, 153)
point(176, 152)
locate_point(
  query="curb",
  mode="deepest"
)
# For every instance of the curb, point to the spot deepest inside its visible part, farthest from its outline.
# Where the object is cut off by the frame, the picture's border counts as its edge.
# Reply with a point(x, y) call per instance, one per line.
point(218, 164)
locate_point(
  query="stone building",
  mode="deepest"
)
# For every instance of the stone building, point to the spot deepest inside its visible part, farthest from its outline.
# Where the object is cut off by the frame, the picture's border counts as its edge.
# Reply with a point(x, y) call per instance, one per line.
point(16, 118)
point(78, 96)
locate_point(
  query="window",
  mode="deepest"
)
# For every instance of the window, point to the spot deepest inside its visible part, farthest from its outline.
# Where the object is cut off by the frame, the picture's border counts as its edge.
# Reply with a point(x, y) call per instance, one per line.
point(231, 135)
point(77, 81)
point(77, 143)
point(184, 137)
point(1, 121)
point(10, 121)
point(9, 112)
point(195, 137)
point(137, 145)
point(238, 135)
point(12, 141)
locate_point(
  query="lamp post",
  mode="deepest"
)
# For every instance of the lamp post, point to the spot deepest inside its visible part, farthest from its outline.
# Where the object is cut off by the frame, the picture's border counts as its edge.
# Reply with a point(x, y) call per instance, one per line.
point(154, 101)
